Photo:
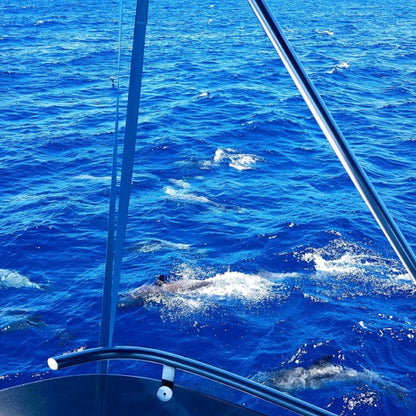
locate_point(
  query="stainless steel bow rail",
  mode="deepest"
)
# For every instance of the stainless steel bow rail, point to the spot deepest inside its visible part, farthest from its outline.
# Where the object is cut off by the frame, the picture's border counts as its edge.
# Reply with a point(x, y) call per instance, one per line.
point(174, 361)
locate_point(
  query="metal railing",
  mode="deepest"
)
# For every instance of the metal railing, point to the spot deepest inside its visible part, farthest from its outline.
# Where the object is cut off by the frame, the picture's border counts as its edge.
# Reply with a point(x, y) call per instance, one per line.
point(191, 366)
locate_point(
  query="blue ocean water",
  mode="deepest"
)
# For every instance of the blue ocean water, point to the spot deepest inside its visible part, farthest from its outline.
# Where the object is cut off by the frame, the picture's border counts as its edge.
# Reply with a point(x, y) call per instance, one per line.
point(234, 185)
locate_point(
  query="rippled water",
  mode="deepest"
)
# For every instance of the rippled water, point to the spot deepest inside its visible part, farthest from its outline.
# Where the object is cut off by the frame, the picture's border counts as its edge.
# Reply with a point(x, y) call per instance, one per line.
point(234, 186)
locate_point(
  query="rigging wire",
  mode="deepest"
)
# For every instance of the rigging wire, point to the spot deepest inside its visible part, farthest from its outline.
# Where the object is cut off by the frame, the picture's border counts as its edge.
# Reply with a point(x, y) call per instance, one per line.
point(102, 367)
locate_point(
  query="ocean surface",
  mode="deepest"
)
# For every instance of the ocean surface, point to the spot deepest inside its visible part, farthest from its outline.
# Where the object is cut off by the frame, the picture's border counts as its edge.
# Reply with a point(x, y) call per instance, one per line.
point(234, 185)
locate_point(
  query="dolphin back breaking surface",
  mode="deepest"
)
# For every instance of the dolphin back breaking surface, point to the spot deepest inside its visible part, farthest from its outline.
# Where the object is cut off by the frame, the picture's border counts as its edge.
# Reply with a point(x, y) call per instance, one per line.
point(161, 288)
point(323, 373)
point(190, 293)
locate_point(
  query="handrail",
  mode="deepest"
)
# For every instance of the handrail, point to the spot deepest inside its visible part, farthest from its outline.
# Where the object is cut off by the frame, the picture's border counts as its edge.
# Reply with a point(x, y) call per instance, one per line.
point(334, 136)
point(191, 366)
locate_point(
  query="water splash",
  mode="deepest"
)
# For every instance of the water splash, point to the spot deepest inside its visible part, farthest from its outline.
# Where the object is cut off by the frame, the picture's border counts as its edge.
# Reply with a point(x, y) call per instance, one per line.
point(238, 161)
point(366, 272)
point(11, 279)
point(339, 67)
point(325, 32)
point(188, 293)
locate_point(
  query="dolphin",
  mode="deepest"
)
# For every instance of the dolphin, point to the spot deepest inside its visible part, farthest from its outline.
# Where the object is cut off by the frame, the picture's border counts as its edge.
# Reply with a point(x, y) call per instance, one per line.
point(160, 288)
point(23, 322)
point(322, 373)
point(158, 245)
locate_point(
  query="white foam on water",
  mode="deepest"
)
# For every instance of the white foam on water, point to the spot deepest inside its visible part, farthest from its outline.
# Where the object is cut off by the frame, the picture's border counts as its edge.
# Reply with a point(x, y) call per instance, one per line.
point(188, 292)
point(368, 398)
point(237, 285)
point(342, 262)
point(346, 264)
point(276, 277)
point(11, 279)
point(204, 94)
point(340, 257)
point(238, 161)
point(325, 32)
point(339, 67)
point(362, 325)
point(243, 162)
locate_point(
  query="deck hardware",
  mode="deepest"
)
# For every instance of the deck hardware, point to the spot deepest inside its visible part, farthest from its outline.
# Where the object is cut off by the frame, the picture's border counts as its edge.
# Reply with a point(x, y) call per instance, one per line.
point(165, 391)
